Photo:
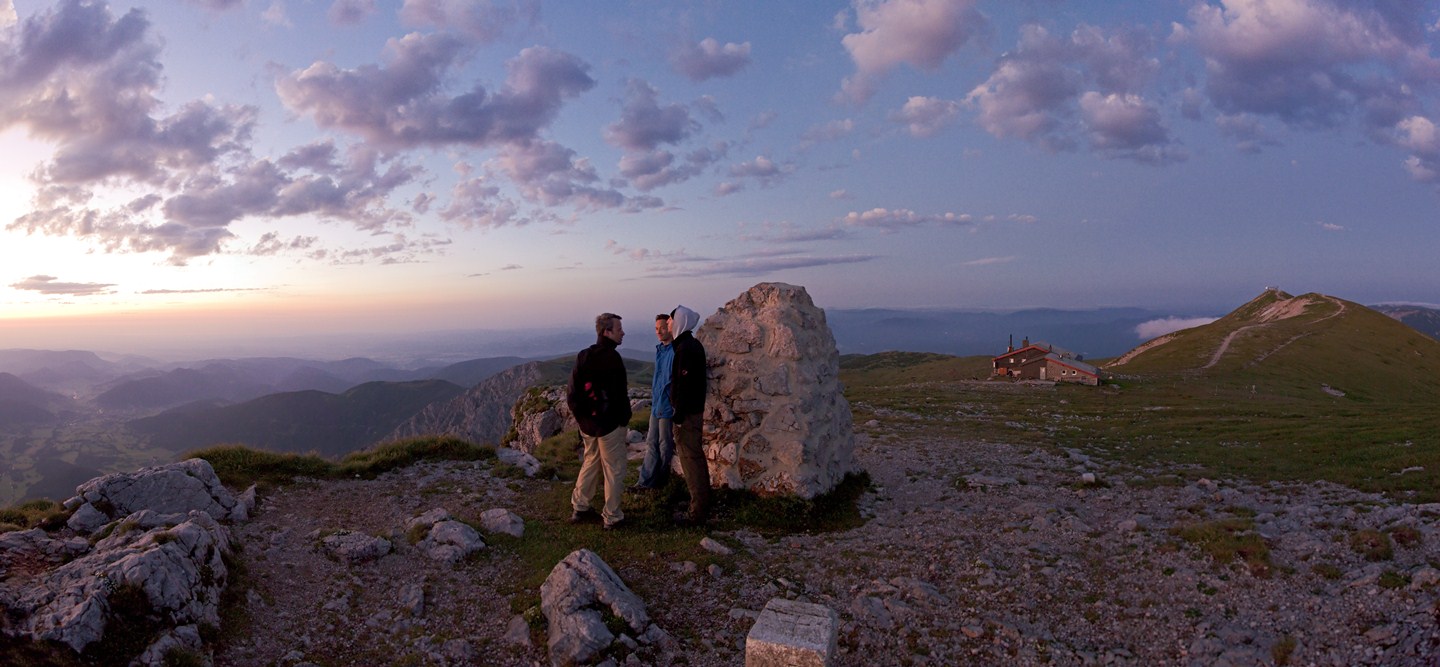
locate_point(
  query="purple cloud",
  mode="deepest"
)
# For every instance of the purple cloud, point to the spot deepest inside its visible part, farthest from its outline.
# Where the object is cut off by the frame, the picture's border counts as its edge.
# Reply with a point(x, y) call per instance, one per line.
point(549, 174)
point(768, 172)
point(710, 59)
point(217, 5)
point(826, 132)
point(350, 12)
point(1314, 62)
point(49, 285)
point(919, 33)
point(1126, 125)
point(403, 104)
point(1057, 92)
point(900, 218)
point(926, 116)
point(478, 202)
point(757, 264)
point(644, 124)
point(485, 22)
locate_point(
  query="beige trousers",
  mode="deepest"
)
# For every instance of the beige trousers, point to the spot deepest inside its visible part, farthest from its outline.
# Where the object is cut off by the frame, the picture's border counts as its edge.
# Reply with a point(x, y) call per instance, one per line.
point(605, 454)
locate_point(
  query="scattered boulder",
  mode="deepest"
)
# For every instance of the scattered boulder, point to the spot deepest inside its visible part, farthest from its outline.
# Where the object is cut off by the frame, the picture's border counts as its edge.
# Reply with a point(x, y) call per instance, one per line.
point(714, 547)
point(168, 489)
point(445, 538)
point(355, 548)
point(776, 421)
point(574, 598)
point(519, 459)
point(501, 520)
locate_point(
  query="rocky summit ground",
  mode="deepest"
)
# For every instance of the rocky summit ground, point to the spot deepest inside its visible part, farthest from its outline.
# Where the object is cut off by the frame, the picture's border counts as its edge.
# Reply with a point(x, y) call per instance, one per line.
point(973, 553)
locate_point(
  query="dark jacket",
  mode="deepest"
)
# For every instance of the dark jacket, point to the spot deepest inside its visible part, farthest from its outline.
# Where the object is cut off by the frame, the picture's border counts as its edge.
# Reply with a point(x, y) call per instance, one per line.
point(604, 404)
point(687, 378)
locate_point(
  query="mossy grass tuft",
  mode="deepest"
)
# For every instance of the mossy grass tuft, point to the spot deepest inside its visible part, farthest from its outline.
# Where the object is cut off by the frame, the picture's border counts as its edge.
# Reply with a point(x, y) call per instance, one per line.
point(1229, 540)
point(40, 513)
point(239, 466)
point(1374, 545)
point(1282, 650)
point(401, 453)
point(1406, 536)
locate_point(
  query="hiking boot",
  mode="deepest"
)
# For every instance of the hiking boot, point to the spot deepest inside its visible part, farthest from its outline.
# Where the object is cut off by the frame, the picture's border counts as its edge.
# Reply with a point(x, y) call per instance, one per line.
point(684, 520)
point(587, 516)
point(614, 524)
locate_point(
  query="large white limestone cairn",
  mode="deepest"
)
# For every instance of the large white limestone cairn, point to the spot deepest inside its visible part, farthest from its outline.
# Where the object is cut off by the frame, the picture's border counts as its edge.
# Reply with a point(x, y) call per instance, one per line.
point(776, 421)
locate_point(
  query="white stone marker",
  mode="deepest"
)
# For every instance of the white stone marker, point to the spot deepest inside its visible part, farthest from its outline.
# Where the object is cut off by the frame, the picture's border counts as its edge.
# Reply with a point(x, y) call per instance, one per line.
point(792, 634)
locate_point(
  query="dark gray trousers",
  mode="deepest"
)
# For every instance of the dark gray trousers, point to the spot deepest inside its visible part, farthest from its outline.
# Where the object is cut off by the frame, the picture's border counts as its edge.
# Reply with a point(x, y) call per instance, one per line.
point(692, 462)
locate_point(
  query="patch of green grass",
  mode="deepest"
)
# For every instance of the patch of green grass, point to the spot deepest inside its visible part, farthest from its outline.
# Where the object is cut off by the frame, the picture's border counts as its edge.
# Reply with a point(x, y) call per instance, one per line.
point(1406, 536)
point(239, 466)
point(1216, 424)
point(45, 514)
point(1327, 571)
point(402, 453)
point(1372, 544)
point(1229, 540)
point(559, 455)
point(835, 510)
point(1392, 580)
point(1283, 649)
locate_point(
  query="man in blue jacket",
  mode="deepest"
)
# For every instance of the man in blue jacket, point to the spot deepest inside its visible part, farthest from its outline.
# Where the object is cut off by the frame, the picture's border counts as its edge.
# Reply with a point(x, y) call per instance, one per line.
point(599, 399)
point(687, 398)
point(659, 438)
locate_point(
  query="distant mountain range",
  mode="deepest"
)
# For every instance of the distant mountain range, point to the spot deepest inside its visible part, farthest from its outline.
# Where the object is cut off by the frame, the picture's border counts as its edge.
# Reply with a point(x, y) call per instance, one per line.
point(1420, 318)
point(301, 421)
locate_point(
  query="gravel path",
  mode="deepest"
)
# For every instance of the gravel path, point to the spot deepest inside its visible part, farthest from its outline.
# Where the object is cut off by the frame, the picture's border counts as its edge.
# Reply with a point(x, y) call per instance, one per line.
point(974, 553)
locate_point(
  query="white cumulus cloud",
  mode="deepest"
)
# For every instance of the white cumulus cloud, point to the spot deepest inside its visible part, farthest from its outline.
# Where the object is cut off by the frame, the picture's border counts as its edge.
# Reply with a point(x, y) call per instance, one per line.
point(1165, 325)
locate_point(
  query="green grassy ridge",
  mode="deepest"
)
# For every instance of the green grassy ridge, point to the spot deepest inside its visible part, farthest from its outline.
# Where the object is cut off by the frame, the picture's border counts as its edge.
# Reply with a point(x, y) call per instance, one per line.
point(1365, 354)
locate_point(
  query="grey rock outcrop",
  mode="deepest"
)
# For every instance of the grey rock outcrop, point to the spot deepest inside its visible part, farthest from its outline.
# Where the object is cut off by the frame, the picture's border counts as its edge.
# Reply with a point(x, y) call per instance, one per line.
point(776, 421)
point(573, 599)
point(172, 564)
point(168, 489)
point(540, 414)
point(481, 414)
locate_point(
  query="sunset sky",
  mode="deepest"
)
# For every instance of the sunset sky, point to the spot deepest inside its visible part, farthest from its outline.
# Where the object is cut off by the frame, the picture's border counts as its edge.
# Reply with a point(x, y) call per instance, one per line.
point(249, 168)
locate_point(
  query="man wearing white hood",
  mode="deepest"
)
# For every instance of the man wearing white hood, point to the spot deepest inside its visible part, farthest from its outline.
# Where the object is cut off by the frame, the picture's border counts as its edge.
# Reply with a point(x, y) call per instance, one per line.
point(687, 397)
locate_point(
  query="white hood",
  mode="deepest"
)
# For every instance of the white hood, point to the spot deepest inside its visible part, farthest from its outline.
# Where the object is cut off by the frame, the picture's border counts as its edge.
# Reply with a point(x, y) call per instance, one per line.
point(683, 319)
